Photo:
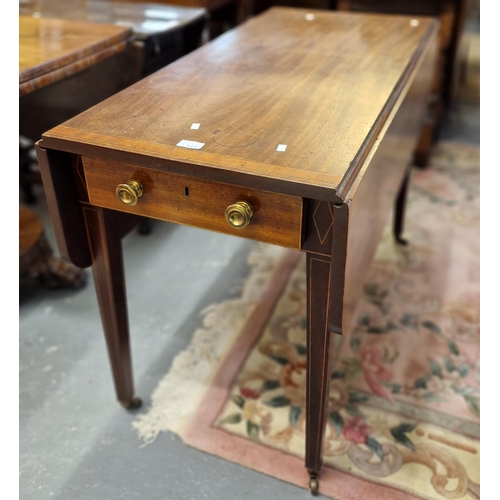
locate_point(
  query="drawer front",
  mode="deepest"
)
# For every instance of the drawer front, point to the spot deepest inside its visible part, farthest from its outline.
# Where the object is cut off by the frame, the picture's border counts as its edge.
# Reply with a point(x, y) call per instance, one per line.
point(276, 219)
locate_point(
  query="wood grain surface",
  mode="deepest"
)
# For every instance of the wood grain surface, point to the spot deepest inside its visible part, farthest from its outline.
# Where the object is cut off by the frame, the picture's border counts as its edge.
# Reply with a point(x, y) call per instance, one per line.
point(323, 86)
point(373, 195)
point(144, 18)
point(277, 218)
point(210, 5)
point(52, 49)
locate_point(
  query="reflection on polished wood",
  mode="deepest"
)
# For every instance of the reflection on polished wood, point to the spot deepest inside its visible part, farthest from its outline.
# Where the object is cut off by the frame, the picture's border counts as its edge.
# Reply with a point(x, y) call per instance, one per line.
point(309, 118)
point(53, 49)
point(161, 34)
point(166, 32)
point(223, 14)
point(144, 18)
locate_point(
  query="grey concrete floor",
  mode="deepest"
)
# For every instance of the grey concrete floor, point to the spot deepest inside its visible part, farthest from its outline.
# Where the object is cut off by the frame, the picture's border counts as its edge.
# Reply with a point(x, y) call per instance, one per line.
point(75, 441)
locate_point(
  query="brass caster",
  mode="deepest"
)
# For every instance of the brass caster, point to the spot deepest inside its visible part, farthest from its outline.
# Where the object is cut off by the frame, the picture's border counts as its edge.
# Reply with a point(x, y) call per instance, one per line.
point(313, 485)
point(132, 405)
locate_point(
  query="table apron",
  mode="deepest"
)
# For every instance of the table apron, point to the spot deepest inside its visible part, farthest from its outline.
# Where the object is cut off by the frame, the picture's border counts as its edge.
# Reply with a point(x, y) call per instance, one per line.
point(277, 218)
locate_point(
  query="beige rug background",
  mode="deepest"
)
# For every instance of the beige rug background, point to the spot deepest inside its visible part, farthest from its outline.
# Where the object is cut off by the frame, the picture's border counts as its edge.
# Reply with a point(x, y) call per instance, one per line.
point(403, 415)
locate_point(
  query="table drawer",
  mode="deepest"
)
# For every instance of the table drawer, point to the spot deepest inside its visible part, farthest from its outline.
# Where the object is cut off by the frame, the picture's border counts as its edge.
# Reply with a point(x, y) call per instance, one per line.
point(276, 218)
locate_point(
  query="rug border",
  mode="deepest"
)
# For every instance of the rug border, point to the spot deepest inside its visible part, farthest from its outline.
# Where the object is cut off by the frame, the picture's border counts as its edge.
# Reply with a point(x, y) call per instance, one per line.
point(200, 433)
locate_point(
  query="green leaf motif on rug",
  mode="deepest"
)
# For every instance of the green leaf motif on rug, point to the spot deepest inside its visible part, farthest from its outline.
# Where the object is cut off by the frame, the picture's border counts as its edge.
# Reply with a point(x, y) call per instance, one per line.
point(432, 398)
point(453, 347)
point(279, 359)
point(269, 385)
point(410, 320)
point(337, 421)
point(395, 388)
point(355, 343)
point(295, 412)
point(375, 446)
point(339, 373)
point(421, 383)
point(435, 369)
point(448, 364)
point(238, 400)
point(301, 349)
point(253, 431)
point(399, 434)
point(376, 293)
point(472, 403)
point(358, 397)
point(278, 402)
point(235, 418)
point(432, 326)
point(353, 410)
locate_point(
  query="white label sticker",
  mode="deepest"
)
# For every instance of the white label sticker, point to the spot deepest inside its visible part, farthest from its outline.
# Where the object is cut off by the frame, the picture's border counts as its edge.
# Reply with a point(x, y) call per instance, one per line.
point(195, 126)
point(190, 144)
point(281, 147)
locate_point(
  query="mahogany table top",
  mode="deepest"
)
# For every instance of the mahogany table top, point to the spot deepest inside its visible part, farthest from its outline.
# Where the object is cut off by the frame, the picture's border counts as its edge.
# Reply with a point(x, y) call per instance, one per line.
point(292, 98)
point(53, 49)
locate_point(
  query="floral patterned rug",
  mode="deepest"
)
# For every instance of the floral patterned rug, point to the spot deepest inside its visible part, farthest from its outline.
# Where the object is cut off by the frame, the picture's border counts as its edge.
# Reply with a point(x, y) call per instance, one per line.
point(403, 411)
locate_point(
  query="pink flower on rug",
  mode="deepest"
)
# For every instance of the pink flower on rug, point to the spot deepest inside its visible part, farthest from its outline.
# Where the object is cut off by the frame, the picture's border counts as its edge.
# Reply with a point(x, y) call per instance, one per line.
point(356, 430)
point(248, 393)
point(375, 371)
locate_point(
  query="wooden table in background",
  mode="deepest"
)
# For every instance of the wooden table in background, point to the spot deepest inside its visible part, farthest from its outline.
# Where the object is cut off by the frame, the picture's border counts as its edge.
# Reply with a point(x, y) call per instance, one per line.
point(166, 31)
point(451, 15)
point(51, 50)
point(223, 14)
point(160, 34)
point(306, 127)
point(36, 257)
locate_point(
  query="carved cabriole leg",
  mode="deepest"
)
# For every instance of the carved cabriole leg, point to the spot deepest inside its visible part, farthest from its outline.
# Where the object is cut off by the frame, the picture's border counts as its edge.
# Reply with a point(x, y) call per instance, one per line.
point(399, 208)
point(319, 357)
point(107, 267)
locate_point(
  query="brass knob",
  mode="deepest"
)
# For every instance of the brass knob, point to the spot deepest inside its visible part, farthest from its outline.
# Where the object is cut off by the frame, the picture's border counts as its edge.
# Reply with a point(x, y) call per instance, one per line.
point(129, 193)
point(238, 214)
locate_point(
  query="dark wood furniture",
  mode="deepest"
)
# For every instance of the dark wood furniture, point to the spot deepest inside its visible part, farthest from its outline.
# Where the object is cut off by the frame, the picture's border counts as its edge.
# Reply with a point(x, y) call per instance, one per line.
point(37, 262)
point(223, 14)
point(160, 35)
point(65, 67)
point(51, 51)
point(294, 129)
point(254, 7)
point(166, 32)
point(451, 15)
